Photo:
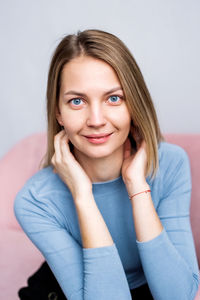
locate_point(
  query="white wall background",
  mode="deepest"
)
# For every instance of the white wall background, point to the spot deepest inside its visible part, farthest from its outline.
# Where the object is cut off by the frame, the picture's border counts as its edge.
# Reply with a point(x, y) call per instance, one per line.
point(163, 35)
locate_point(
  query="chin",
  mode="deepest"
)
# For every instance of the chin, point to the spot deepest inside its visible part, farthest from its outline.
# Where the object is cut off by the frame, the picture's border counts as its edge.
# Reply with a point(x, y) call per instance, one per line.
point(100, 153)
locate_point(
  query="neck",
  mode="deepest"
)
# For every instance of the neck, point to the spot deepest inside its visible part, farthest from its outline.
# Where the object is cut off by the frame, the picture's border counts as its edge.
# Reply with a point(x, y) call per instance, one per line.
point(101, 169)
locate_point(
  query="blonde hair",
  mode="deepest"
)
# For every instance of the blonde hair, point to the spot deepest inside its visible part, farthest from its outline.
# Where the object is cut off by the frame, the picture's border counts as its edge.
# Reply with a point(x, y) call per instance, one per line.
point(107, 47)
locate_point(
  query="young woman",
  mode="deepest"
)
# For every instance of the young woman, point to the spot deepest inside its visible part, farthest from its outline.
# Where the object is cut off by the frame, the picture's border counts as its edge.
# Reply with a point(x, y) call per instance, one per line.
point(110, 209)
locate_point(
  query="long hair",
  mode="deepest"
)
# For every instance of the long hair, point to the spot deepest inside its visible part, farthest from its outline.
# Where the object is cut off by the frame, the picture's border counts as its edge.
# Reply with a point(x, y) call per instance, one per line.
point(110, 49)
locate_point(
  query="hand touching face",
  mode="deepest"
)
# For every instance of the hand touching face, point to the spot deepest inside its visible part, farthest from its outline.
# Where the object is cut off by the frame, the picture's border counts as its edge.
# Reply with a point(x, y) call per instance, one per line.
point(68, 168)
point(135, 164)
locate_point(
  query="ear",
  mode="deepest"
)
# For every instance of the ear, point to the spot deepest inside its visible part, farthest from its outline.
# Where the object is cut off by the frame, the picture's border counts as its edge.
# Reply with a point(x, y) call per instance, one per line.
point(58, 116)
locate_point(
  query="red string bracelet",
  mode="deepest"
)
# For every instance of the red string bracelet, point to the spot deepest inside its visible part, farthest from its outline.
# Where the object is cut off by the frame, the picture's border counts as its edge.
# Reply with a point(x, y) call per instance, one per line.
point(146, 191)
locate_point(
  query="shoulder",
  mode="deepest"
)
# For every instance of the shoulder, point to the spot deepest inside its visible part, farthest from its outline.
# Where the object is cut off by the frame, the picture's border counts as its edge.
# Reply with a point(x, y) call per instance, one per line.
point(172, 158)
point(44, 181)
point(41, 192)
point(171, 152)
point(174, 167)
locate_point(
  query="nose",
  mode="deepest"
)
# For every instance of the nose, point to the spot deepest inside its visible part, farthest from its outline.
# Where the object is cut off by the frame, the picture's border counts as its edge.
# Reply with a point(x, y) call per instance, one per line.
point(96, 116)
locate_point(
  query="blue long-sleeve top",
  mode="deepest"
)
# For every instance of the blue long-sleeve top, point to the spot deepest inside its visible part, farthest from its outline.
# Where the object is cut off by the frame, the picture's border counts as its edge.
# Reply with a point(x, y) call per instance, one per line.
point(46, 211)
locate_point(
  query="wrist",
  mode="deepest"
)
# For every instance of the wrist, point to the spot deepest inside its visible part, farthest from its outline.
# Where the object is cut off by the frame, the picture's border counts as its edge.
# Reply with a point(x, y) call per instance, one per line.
point(137, 187)
point(83, 196)
point(146, 191)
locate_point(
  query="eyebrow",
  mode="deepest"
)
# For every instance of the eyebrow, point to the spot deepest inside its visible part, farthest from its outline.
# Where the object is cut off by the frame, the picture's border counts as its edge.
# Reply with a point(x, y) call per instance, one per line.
point(71, 92)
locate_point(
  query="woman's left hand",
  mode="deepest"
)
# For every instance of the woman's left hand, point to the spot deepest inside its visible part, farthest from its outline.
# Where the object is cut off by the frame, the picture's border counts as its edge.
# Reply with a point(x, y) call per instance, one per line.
point(134, 167)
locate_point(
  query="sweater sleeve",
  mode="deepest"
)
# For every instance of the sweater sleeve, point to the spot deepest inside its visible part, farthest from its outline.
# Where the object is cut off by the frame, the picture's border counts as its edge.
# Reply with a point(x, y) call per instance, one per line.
point(169, 260)
point(93, 273)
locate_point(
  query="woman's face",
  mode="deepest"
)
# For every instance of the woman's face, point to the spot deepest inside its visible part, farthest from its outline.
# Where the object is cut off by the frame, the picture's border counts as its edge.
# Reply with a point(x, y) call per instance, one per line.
point(92, 108)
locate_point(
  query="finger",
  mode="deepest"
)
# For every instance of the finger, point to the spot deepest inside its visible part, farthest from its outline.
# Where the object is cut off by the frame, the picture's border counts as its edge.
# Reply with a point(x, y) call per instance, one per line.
point(53, 159)
point(143, 145)
point(64, 145)
point(127, 148)
point(53, 163)
point(58, 154)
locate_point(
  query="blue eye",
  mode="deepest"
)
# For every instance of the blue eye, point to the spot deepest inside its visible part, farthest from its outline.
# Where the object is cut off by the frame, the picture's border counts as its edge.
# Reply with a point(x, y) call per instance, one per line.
point(114, 99)
point(76, 101)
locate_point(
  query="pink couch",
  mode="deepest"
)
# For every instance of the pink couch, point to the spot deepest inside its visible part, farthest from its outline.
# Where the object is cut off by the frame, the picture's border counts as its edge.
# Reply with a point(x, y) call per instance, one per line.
point(19, 258)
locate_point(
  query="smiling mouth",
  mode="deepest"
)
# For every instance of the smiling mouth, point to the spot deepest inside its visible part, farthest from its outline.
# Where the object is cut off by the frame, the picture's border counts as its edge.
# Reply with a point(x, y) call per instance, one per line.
point(98, 138)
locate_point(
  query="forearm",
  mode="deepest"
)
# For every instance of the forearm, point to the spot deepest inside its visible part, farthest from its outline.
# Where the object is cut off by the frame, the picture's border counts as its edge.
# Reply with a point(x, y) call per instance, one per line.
point(146, 220)
point(166, 269)
point(94, 231)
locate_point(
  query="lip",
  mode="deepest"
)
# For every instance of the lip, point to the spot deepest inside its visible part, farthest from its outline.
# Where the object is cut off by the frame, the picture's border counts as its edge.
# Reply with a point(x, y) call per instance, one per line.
point(98, 135)
point(98, 138)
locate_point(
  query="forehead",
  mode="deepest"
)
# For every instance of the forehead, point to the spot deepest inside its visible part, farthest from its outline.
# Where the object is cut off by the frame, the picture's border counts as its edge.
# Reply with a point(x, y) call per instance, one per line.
point(84, 72)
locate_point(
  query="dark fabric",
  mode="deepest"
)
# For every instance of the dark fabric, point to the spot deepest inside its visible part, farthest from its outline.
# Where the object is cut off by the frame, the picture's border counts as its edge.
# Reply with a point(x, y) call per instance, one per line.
point(42, 285)
point(142, 293)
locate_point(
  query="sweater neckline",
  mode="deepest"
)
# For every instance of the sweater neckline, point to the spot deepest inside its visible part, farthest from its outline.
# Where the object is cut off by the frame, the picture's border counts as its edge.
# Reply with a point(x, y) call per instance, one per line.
point(109, 185)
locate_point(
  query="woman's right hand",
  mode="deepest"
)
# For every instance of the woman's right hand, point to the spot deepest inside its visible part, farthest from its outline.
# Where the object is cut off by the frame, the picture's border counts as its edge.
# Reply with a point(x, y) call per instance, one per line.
point(68, 167)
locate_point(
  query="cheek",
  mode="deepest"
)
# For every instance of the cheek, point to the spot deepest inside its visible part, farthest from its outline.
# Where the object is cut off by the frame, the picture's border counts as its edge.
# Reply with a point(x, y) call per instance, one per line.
point(123, 120)
point(71, 122)
point(71, 127)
